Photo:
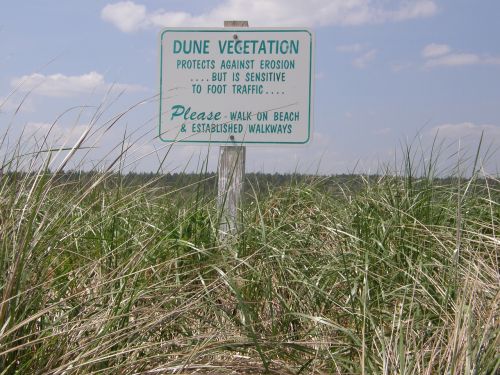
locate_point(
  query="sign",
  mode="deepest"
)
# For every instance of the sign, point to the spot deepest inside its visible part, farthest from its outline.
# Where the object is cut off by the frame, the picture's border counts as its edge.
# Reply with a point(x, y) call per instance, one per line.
point(236, 85)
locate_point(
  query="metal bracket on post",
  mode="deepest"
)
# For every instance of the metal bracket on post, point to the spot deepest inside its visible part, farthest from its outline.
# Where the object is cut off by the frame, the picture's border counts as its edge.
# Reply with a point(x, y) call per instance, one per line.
point(231, 176)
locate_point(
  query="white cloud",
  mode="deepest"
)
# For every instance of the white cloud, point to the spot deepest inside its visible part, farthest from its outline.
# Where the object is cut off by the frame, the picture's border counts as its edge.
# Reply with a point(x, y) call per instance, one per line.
point(434, 50)
point(363, 60)
point(365, 55)
point(6, 105)
point(55, 133)
point(462, 140)
point(468, 130)
point(414, 9)
point(401, 65)
point(454, 59)
point(350, 48)
point(437, 55)
point(15, 102)
point(126, 15)
point(129, 16)
point(491, 60)
point(317, 156)
point(60, 85)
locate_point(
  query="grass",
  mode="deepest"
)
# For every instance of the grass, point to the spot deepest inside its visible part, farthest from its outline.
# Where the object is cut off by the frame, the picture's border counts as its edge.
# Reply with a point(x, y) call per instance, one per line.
point(390, 274)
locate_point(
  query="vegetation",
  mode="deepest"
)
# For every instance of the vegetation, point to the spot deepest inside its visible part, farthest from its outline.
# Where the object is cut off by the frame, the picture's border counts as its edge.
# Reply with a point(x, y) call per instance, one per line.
point(112, 274)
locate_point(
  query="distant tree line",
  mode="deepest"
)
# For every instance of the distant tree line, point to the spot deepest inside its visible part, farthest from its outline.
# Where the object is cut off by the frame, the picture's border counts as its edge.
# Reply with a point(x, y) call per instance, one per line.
point(207, 182)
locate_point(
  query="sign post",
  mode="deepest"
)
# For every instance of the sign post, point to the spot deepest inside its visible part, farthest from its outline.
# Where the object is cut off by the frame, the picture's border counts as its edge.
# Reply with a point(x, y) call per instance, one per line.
point(235, 86)
point(231, 177)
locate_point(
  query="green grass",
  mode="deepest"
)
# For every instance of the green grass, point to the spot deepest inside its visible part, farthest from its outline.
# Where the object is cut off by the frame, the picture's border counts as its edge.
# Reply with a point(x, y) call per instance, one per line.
point(388, 274)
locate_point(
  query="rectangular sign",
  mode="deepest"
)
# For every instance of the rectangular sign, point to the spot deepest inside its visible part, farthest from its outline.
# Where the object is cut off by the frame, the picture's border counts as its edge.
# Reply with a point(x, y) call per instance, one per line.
point(236, 85)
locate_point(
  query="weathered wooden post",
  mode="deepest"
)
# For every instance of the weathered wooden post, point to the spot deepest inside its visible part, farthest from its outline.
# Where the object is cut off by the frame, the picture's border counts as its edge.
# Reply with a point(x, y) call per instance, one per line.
point(231, 178)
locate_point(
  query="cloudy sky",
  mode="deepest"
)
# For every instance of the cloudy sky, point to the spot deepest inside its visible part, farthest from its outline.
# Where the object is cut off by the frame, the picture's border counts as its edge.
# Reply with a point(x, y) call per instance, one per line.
point(389, 73)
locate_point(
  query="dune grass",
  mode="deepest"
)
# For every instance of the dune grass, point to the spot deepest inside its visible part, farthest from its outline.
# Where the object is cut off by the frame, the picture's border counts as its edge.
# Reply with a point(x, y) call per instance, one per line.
point(393, 274)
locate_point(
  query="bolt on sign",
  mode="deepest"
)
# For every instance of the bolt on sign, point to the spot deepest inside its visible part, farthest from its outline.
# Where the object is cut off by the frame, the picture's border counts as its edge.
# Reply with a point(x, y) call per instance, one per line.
point(236, 86)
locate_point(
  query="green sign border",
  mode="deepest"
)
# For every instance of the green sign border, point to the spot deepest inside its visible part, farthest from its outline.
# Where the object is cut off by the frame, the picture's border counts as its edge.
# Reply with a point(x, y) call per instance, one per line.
point(239, 30)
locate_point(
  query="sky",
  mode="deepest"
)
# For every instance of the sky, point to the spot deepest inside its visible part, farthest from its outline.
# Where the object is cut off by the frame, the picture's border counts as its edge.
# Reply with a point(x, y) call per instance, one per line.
point(389, 74)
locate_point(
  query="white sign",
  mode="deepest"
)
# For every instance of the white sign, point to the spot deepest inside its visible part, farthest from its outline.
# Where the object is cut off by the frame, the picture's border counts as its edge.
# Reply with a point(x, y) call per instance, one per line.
point(236, 86)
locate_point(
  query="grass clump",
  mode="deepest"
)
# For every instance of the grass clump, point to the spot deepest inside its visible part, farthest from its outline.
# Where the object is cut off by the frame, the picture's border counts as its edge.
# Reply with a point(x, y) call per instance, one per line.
point(386, 274)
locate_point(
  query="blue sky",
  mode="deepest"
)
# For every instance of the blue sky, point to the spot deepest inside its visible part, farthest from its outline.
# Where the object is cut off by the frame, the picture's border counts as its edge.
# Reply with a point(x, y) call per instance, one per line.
point(388, 72)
